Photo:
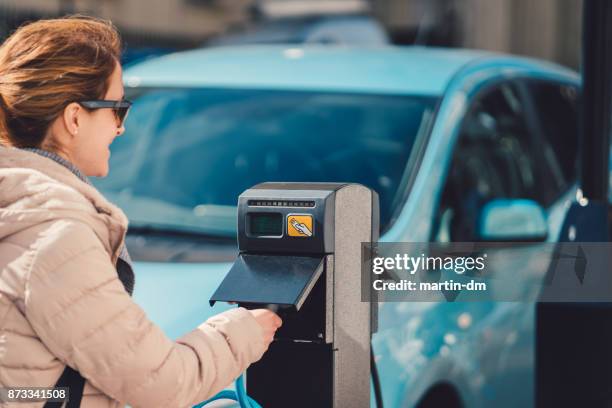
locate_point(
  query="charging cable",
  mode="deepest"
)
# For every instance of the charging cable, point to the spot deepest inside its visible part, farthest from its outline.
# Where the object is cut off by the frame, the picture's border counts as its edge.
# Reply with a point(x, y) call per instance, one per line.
point(239, 395)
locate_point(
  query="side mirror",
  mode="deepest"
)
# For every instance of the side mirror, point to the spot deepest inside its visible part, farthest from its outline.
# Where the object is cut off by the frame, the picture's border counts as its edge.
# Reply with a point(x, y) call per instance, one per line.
point(512, 220)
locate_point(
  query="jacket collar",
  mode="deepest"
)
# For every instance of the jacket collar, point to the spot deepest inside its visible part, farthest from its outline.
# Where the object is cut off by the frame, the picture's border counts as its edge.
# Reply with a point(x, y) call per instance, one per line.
point(32, 167)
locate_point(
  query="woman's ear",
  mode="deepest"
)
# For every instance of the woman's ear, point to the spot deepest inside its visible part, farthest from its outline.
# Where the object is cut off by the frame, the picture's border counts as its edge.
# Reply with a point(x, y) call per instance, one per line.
point(62, 132)
point(71, 118)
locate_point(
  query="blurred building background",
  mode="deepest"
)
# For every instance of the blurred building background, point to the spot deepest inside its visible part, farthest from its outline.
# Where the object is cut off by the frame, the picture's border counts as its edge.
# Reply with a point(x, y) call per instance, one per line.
point(548, 29)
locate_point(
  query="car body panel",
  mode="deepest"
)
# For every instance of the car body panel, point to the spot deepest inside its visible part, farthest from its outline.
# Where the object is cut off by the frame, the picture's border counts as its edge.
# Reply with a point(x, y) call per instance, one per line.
point(175, 295)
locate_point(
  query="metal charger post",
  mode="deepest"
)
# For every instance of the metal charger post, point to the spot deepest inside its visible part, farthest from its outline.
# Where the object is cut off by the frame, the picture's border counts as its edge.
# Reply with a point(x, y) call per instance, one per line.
point(300, 251)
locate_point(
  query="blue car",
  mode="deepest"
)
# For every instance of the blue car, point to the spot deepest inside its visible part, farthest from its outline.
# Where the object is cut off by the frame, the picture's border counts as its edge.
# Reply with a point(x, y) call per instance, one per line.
point(442, 135)
point(317, 29)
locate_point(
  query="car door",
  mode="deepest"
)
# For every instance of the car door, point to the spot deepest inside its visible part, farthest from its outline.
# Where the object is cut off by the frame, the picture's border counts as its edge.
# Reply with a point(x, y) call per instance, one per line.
point(507, 149)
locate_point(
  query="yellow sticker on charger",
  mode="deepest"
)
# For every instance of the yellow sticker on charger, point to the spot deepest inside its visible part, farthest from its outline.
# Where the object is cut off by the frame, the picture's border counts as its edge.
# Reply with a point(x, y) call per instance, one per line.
point(300, 225)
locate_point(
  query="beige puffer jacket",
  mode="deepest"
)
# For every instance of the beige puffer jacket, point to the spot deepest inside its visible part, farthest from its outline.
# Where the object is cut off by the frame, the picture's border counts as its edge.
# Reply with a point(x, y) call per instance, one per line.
point(61, 302)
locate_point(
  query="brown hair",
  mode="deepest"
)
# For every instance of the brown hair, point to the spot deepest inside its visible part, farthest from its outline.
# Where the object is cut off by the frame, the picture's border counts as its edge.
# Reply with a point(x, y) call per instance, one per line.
point(48, 64)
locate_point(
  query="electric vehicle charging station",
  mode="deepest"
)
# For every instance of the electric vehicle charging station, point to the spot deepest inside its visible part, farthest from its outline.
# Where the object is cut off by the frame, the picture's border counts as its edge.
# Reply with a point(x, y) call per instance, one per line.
point(300, 253)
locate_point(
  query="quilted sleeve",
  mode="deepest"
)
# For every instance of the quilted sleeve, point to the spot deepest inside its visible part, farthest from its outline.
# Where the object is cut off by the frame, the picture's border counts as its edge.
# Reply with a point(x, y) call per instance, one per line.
point(78, 307)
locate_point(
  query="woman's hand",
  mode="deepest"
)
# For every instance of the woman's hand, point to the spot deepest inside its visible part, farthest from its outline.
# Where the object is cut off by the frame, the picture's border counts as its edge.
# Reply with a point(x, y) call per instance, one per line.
point(269, 322)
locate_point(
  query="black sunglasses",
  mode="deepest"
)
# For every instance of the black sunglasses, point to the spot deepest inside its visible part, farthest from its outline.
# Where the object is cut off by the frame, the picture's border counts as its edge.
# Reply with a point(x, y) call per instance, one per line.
point(120, 108)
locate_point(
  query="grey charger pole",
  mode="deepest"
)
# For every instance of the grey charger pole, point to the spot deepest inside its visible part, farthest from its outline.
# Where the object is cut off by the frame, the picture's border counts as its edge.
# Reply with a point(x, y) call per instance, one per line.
point(300, 250)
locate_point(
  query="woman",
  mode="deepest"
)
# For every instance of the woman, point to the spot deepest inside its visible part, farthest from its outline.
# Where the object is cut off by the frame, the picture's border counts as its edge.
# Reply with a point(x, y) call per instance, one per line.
point(65, 276)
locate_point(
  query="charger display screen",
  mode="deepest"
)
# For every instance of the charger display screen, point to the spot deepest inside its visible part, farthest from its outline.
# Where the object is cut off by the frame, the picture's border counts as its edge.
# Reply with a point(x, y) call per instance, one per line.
point(265, 224)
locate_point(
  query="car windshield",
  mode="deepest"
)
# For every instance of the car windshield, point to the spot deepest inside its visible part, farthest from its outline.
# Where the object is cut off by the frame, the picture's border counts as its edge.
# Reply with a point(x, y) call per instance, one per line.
point(187, 154)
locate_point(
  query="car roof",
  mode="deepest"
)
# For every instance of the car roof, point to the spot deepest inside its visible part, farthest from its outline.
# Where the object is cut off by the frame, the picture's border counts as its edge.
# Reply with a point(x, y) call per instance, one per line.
point(408, 70)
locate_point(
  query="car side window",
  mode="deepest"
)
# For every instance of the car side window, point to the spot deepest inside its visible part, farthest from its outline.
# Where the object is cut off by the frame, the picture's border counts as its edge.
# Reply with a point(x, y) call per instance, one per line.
point(495, 157)
point(555, 109)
